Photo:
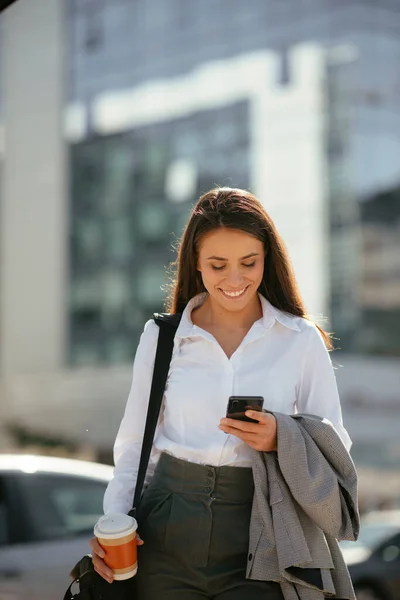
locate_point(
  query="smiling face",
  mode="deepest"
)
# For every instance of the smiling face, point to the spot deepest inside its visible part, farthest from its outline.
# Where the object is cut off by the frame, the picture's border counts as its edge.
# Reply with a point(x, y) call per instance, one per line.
point(231, 263)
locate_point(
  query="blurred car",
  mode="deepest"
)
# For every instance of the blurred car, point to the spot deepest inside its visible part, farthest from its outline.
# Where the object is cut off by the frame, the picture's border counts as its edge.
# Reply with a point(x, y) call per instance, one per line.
point(48, 507)
point(374, 560)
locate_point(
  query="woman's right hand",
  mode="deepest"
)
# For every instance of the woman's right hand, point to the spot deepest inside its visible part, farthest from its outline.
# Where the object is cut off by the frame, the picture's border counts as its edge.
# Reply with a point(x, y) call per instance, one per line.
point(98, 555)
point(99, 565)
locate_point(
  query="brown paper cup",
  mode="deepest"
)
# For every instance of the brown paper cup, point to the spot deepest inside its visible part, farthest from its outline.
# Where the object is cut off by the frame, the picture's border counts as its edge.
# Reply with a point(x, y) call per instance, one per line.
point(116, 534)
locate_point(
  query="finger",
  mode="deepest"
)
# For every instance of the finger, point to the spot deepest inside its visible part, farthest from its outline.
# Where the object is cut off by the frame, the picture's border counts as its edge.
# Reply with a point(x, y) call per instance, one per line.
point(241, 425)
point(98, 563)
point(261, 441)
point(102, 569)
point(254, 440)
point(139, 540)
point(246, 436)
point(97, 549)
point(262, 417)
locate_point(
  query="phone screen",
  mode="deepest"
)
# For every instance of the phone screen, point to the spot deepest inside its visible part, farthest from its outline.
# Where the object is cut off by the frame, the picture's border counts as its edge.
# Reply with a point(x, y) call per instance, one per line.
point(237, 406)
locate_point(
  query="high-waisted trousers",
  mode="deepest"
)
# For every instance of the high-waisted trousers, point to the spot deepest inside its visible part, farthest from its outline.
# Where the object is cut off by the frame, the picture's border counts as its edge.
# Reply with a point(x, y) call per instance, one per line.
point(194, 521)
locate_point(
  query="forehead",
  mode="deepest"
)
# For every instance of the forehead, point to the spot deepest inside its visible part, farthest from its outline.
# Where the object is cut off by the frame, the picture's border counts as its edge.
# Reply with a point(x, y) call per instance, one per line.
point(234, 241)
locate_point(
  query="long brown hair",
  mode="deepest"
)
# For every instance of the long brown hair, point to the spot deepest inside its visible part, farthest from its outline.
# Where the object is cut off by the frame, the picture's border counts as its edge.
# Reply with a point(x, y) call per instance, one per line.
point(237, 209)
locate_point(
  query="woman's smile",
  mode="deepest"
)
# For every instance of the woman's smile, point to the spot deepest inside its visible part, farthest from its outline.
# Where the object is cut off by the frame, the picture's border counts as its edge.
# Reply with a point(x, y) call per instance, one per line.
point(234, 294)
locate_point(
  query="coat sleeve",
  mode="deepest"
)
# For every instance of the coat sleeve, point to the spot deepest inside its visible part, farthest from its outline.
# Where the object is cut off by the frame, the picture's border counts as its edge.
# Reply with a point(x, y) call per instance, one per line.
point(128, 443)
point(319, 473)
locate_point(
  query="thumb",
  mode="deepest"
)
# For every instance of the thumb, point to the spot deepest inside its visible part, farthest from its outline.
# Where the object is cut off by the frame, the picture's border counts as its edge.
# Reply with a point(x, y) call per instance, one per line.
point(139, 540)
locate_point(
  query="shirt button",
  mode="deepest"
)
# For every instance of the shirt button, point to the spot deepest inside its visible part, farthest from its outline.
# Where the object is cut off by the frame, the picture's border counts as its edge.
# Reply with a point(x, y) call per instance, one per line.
point(210, 474)
point(250, 557)
point(207, 489)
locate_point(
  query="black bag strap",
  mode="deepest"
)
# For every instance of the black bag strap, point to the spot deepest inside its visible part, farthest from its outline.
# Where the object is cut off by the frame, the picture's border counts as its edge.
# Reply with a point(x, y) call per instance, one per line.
point(168, 325)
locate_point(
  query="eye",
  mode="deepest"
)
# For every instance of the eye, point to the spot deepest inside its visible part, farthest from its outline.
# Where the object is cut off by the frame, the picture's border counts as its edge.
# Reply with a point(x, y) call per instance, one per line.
point(214, 268)
point(250, 264)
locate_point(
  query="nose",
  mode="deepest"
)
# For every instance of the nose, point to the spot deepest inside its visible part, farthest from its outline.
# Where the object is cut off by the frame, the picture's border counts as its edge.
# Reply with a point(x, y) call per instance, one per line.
point(234, 279)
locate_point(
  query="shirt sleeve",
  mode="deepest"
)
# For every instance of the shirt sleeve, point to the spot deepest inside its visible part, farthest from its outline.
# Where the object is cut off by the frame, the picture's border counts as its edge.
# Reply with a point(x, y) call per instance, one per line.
point(317, 392)
point(118, 496)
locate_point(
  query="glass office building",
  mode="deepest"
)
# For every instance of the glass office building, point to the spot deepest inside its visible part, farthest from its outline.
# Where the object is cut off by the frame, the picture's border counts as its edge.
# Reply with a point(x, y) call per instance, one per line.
point(132, 187)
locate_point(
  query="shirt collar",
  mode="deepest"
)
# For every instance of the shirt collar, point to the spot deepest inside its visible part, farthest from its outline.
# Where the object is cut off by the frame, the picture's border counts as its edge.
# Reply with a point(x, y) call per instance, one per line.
point(271, 314)
point(186, 326)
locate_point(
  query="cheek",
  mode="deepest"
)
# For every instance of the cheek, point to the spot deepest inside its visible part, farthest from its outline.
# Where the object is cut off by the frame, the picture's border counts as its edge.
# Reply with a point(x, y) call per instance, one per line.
point(210, 275)
point(258, 273)
point(211, 279)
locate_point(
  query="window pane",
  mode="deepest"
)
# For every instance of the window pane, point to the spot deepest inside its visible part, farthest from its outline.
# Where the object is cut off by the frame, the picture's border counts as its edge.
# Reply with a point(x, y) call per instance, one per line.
point(61, 506)
point(119, 238)
point(119, 165)
point(152, 220)
point(149, 283)
point(88, 239)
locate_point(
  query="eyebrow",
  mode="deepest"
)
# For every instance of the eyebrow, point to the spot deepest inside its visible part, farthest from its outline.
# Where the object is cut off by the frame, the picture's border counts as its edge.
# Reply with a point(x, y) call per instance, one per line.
point(243, 257)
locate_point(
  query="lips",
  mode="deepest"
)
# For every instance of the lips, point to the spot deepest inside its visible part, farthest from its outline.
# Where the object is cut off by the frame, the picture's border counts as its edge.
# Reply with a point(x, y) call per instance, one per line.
point(234, 294)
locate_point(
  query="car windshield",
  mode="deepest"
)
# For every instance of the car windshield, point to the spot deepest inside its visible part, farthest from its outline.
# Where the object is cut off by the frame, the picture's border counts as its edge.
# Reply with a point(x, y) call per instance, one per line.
point(372, 534)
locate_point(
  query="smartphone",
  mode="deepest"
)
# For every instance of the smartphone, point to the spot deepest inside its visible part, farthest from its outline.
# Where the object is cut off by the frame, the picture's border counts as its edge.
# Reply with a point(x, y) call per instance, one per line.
point(237, 406)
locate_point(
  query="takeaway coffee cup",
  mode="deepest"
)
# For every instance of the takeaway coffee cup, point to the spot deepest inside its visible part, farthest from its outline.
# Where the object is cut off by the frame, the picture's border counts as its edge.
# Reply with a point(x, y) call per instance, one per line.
point(116, 534)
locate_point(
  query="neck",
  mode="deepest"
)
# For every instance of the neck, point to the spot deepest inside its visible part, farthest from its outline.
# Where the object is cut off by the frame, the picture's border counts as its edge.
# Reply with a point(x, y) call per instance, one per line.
point(217, 316)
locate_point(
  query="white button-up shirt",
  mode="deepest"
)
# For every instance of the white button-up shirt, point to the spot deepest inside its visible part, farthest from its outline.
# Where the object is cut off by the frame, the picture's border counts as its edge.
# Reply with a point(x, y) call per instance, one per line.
point(282, 358)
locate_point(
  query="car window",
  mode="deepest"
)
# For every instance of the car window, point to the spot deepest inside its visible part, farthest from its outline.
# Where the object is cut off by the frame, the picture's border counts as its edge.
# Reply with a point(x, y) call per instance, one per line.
point(62, 506)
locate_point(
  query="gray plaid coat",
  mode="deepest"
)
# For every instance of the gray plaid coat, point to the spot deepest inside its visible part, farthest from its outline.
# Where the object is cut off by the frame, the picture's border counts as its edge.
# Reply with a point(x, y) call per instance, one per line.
point(305, 499)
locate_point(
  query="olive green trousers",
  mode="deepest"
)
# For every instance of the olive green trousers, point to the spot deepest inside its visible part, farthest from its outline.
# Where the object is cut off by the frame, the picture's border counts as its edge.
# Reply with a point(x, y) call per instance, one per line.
point(194, 521)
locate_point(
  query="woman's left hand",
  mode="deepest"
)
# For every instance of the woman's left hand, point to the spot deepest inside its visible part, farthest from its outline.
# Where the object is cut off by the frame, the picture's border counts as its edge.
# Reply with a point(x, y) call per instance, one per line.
point(261, 436)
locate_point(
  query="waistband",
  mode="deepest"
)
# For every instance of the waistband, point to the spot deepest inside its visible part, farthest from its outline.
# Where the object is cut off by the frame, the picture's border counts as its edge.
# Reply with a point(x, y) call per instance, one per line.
point(234, 484)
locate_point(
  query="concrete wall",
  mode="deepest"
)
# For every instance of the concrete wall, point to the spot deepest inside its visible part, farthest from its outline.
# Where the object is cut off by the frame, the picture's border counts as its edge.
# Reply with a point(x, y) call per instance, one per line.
point(33, 215)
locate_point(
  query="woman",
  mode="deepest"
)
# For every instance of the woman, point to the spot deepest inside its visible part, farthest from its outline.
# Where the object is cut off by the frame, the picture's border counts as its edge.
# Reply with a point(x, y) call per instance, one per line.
point(243, 331)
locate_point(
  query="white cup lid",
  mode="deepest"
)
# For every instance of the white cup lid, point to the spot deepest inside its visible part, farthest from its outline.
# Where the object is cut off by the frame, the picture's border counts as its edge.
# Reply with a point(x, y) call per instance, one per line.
point(115, 525)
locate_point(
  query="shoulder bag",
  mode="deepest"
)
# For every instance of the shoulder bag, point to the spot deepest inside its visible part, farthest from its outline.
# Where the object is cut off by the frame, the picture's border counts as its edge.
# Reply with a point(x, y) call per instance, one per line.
point(91, 585)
